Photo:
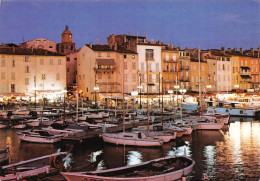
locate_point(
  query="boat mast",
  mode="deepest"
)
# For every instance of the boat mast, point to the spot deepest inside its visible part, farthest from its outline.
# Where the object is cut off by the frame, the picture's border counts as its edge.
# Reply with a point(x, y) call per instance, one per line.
point(123, 92)
point(199, 79)
point(147, 95)
point(162, 103)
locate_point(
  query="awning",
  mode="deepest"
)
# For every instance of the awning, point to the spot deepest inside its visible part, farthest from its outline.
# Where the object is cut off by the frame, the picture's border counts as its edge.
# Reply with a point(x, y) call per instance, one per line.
point(245, 67)
point(245, 76)
point(105, 61)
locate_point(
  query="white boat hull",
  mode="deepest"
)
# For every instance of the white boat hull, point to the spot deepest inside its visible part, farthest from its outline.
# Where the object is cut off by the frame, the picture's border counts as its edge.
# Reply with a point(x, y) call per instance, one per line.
point(2, 126)
point(33, 123)
point(238, 111)
point(209, 126)
point(38, 139)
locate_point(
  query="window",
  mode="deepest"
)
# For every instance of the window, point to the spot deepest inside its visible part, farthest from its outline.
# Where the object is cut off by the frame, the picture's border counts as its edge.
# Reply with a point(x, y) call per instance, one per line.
point(223, 66)
point(99, 54)
point(26, 59)
point(83, 77)
point(43, 76)
point(2, 75)
point(126, 88)
point(3, 62)
point(157, 67)
point(108, 54)
point(245, 62)
point(27, 70)
point(142, 77)
point(149, 54)
point(125, 65)
point(50, 46)
point(202, 68)
point(79, 77)
point(68, 69)
point(52, 85)
point(150, 78)
point(57, 76)
point(3, 88)
point(68, 59)
point(51, 61)
point(252, 69)
point(12, 88)
point(157, 78)
point(167, 56)
point(41, 62)
point(241, 62)
point(195, 67)
point(125, 56)
point(13, 76)
point(26, 81)
point(109, 75)
point(13, 63)
point(125, 77)
point(134, 78)
point(174, 58)
point(252, 62)
point(133, 56)
point(133, 65)
point(59, 61)
point(192, 79)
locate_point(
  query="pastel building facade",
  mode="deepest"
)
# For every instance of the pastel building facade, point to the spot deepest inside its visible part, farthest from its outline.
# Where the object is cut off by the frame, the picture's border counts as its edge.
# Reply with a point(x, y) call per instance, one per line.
point(27, 72)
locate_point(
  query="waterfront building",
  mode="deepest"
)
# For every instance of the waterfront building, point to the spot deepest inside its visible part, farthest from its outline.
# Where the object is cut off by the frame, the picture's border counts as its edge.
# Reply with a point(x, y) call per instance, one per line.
point(40, 43)
point(149, 65)
point(198, 75)
point(31, 73)
point(184, 71)
point(170, 67)
point(223, 73)
point(71, 69)
point(100, 71)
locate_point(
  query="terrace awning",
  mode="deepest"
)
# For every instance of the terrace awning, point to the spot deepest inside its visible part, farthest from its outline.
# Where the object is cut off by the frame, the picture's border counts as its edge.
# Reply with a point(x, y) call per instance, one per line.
point(105, 61)
point(245, 76)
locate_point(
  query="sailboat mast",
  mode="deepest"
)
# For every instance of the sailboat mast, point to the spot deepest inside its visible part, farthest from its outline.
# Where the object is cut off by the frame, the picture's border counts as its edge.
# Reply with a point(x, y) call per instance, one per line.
point(199, 78)
point(162, 102)
point(147, 95)
point(123, 92)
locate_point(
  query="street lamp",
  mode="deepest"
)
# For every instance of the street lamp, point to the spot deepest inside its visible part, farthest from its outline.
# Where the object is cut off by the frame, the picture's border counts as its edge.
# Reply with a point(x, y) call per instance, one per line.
point(140, 88)
point(134, 94)
point(236, 86)
point(182, 91)
point(96, 89)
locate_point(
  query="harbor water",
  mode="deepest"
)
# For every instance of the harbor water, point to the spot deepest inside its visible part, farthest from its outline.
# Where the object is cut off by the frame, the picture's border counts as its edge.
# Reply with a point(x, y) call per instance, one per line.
point(230, 154)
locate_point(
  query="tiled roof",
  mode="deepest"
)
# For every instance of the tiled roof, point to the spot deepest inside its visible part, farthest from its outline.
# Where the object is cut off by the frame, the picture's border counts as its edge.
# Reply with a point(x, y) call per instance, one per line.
point(106, 48)
point(27, 51)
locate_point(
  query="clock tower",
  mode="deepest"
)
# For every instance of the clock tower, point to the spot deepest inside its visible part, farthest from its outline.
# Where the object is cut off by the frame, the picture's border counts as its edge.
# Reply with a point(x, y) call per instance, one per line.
point(66, 46)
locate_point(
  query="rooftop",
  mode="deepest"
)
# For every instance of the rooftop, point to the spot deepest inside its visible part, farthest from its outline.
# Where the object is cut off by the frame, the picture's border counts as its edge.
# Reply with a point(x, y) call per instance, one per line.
point(27, 51)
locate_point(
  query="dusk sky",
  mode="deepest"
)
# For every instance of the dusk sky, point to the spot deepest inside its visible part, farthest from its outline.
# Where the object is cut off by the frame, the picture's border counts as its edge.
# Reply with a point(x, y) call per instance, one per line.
point(185, 23)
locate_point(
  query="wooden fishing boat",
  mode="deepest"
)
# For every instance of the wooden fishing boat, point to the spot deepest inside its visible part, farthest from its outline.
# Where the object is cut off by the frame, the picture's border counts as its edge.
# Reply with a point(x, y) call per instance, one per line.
point(33, 167)
point(161, 169)
point(131, 139)
point(4, 153)
point(38, 136)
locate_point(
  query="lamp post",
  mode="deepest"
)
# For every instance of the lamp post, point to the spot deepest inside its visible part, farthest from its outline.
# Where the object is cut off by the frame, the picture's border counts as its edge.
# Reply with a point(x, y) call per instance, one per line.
point(182, 91)
point(134, 94)
point(96, 89)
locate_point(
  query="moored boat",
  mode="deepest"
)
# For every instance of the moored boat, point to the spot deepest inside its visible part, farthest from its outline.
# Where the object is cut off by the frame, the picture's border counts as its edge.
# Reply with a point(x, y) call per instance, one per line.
point(38, 136)
point(4, 153)
point(161, 169)
point(131, 139)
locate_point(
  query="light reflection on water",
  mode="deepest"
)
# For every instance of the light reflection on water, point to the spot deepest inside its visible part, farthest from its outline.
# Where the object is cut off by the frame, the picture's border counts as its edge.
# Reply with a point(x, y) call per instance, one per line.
point(230, 154)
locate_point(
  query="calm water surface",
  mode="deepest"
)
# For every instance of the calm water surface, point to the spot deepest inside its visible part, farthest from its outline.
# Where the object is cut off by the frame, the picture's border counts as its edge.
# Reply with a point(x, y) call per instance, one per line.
point(230, 154)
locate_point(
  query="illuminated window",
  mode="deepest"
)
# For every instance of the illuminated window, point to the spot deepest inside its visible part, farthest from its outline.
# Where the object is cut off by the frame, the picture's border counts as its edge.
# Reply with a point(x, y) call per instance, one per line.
point(43, 76)
point(27, 69)
point(12, 88)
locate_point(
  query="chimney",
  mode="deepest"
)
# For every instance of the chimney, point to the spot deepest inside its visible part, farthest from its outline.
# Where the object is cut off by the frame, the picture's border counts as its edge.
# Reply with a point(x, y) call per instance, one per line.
point(229, 50)
point(90, 45)
point(252, 52)
point(241, 51)
point(223, 50)
point(115, 47)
